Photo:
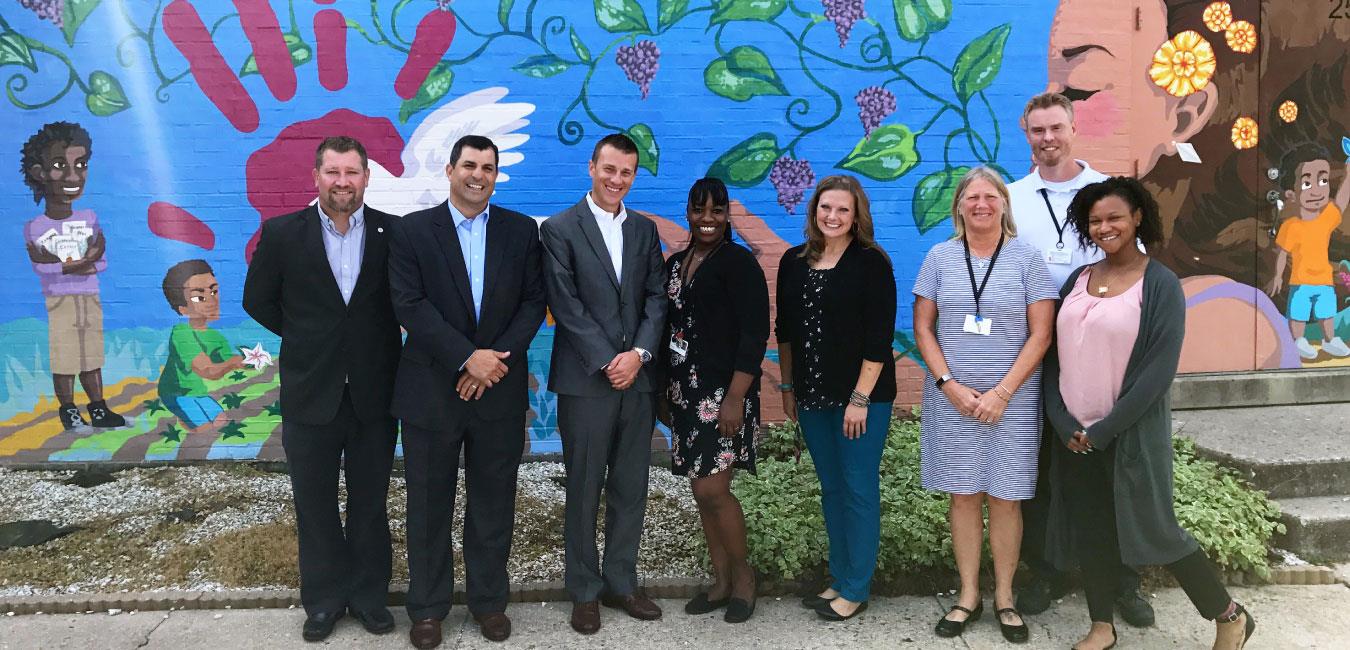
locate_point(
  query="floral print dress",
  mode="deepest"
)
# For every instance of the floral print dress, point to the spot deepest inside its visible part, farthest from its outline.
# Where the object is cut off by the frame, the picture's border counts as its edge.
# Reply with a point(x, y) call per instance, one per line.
point(697, 447)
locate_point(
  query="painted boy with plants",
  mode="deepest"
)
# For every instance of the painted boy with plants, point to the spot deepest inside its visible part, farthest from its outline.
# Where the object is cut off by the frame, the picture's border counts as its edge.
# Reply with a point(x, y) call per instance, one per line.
point(1304, 241)
point(66, 247)
point(196, 352)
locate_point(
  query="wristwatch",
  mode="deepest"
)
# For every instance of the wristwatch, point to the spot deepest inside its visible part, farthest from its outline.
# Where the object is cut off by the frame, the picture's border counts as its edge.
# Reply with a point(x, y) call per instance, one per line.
point(644, 355)
point(942, 380)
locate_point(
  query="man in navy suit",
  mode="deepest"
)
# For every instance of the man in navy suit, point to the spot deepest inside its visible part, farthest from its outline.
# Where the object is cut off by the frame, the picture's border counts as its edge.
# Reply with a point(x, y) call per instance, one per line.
point(319, 280)
point(467, 286)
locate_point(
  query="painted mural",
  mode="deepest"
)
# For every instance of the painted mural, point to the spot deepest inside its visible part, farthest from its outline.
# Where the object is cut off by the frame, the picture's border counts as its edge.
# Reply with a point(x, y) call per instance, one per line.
point(149, 140)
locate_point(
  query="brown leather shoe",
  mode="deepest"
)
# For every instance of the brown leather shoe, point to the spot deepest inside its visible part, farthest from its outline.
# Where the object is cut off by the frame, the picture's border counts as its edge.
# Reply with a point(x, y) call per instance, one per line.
point(586, 617)
point(425, 634)
point(495, 626)
point(637, 604)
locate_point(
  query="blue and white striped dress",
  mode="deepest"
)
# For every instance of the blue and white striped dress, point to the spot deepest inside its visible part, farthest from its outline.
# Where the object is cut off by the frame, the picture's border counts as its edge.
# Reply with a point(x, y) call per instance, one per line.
point(960, 454)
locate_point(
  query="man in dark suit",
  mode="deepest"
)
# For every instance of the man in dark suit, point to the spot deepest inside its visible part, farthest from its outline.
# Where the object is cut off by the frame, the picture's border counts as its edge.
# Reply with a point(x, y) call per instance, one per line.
point(603, 275)
point(467, 287)
point(319, 280)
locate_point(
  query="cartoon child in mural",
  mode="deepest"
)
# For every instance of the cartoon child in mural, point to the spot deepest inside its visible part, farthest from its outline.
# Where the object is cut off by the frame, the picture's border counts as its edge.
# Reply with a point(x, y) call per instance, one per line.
point(196, 352)
point(66, 247)
point(1304, 241)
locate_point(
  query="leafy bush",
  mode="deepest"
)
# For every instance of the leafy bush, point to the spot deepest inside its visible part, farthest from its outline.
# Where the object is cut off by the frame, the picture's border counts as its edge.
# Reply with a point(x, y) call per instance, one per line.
point(786, 532)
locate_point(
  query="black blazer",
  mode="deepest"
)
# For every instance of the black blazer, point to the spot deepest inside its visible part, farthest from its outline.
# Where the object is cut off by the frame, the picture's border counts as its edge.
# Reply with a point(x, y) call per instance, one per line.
point(858, 319)
point(599, 316)
point(730, 302)
point(291, 291)
point(434, 302)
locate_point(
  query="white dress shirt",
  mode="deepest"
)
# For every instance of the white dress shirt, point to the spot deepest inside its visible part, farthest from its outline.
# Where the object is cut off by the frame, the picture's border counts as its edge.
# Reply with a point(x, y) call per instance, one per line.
point(345, 250)
point(611, 229)
point(1036, 227)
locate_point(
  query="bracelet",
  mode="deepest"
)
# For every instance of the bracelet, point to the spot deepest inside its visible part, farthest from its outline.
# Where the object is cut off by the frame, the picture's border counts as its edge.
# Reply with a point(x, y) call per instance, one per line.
point(1005, 390)
point(858, 399)
point(785, 388)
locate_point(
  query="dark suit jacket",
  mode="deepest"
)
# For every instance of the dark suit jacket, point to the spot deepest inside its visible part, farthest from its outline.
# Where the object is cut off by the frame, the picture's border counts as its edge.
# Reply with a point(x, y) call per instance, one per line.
point(597, 316)
point(291, 291)
point(434, 302)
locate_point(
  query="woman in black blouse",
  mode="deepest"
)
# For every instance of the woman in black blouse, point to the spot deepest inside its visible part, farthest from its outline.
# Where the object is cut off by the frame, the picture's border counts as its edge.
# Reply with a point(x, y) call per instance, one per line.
point(836, 320)
point(717, 326)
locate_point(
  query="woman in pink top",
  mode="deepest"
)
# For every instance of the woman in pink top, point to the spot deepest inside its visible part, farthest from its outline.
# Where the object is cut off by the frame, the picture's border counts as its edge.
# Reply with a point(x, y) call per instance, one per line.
point(1106, 383)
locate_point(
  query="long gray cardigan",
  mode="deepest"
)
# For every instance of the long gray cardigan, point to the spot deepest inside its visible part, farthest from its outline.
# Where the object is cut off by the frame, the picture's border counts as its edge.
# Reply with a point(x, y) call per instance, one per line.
point(1140, 427)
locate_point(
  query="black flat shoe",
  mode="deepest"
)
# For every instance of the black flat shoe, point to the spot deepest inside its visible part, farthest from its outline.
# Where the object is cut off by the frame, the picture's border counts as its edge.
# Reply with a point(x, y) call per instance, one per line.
point(826, 612)
point(1013, 633)
point(319, 626)
point(700, 604)
point(814, 601)
point(739, 611)
point(376, 621)
point(948, 628)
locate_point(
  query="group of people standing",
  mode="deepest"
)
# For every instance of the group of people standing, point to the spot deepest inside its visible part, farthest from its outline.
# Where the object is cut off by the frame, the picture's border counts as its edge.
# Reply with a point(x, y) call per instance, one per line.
point(682, 338)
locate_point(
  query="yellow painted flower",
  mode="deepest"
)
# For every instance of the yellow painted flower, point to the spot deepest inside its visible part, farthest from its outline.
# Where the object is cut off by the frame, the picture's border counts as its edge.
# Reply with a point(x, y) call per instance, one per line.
point(1244, 133)
point(1183, 64)
point(1218, 16)
point(1288, 111)
point(1241, 36)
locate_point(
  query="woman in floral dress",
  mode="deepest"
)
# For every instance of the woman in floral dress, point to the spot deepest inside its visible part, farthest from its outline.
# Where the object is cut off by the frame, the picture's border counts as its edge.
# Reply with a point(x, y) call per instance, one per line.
point(717, 328)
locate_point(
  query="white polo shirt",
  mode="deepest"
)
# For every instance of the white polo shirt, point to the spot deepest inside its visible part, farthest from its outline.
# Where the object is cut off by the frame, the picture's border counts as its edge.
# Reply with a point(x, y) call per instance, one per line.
point(1036, 227)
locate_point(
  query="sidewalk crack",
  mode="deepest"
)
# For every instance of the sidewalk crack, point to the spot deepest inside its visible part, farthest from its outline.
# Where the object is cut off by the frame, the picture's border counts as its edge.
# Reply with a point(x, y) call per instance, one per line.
point(146, 641)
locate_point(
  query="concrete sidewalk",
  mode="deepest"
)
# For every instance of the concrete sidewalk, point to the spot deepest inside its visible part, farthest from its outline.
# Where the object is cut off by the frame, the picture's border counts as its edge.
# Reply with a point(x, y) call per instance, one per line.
point(1287, 617)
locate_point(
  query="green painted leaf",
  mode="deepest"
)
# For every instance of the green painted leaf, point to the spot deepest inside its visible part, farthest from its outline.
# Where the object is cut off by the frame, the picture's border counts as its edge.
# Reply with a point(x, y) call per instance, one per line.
point(15, 51)
point(937, 12)
point(73, 13)
point(933, 197)
point(669, 12)
point(979, 62)
point(300, 55)
point(504, 13)
point(743, 73)
point(621, 16)
point(105, 95)
point(885, 155)
point(436, 85)
point(232, 429)
point(747, 163)
point(583, 52)
point(725, 11)
point(541, 66)
point(910, 23)
point(649, 155)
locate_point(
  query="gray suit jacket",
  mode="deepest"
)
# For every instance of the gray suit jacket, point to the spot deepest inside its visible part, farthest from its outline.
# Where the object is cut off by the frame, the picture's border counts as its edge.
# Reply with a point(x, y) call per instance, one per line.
point(597, 316)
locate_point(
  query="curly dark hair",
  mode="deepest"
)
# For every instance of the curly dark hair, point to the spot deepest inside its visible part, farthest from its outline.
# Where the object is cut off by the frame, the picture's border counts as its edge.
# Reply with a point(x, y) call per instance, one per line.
point(68, 133)
point(1296, 157)
point(1134, 194)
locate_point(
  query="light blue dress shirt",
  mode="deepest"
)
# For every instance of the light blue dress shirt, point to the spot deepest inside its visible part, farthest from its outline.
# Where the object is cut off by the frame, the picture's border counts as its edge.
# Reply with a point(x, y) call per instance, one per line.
point(345, 251)
point(472, 235)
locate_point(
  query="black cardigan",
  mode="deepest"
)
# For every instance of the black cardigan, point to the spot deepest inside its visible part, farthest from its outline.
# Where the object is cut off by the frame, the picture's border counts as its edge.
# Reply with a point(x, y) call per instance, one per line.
point(858, 319)
point(731, 306)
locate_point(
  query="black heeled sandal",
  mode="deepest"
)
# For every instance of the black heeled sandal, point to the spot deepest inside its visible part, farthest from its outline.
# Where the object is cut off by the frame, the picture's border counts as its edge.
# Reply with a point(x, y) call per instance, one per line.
point(948, 628)
point(1248, 627)
point(1013, 633)
point(1114, 640)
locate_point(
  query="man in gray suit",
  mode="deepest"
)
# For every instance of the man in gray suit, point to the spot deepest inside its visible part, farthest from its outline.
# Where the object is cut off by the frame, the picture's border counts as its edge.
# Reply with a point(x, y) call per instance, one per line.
point(603, 279)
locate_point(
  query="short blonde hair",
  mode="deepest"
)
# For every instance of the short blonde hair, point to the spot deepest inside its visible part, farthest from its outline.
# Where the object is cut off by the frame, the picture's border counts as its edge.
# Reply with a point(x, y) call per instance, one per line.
point(1047, 100)
point(993, 178)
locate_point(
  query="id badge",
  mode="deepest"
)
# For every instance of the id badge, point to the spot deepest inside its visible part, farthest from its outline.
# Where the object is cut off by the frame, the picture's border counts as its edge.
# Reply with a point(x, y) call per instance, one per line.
point(1058, 257)
point(679, 346)
point(978, 325)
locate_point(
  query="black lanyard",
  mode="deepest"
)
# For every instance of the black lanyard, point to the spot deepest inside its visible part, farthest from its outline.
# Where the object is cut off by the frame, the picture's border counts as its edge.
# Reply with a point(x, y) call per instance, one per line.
point(1059, 228)
point(979, 290)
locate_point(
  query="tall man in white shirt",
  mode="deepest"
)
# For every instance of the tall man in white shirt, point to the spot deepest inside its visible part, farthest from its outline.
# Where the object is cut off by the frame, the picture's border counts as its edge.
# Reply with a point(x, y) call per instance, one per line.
point(603, 275)
point(1040, 203)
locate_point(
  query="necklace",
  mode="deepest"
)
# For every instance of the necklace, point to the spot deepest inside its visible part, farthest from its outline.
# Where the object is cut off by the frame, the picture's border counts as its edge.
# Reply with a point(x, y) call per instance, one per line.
point(1104, 284)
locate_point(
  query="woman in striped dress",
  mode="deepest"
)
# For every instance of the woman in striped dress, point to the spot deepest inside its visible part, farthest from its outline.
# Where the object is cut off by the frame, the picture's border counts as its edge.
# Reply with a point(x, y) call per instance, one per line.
point(983, 313)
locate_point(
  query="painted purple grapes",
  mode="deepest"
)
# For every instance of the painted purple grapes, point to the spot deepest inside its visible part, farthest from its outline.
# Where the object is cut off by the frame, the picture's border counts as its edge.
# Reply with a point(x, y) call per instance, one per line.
point(791, 178)
point(874, 105)
point(844, 13)
point(46, 10)
point(639, 63)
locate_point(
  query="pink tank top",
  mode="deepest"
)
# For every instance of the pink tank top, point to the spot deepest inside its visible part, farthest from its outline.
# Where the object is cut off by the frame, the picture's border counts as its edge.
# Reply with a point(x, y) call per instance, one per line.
point(1095, 337)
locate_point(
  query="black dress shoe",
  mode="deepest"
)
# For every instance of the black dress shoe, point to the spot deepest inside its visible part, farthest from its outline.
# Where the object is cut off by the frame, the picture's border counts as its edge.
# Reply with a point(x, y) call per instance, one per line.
point(319, 626)
point(1135, 609)
point(701, 604)
point(739, 611)
point(826, 612)
point(376, 621)
point(1036, 596)
point(948, 628)
point(1013, 633)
